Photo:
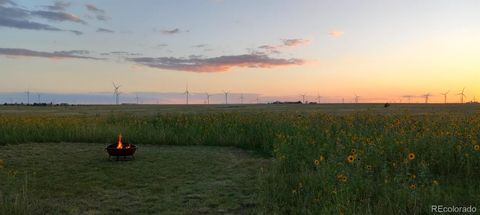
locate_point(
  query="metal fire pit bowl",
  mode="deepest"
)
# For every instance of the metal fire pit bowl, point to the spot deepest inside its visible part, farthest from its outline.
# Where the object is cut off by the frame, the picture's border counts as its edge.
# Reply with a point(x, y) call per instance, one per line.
point(124, 152)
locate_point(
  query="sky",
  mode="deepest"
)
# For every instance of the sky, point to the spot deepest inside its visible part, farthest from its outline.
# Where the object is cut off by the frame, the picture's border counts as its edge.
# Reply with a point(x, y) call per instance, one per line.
point(72, 51)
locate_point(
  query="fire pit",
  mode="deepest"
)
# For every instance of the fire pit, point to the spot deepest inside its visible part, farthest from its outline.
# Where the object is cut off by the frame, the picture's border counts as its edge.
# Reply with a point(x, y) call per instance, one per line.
point(121, 149)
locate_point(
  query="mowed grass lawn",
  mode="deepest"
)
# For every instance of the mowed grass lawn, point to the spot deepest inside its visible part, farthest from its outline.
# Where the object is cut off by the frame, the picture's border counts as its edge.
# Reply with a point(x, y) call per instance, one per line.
point(78, 178)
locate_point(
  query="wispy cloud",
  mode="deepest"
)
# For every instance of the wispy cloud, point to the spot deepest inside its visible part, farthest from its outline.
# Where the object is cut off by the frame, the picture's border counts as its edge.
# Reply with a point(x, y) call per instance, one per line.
point(99, 13)
point(58, 16)
point(276, 49)
point(104, 30)
point(335, 34)
point(295, 42)
point(215, 64)
point(59, 6)
point(56, 55)
point(94, 8)
point(200, 46)
point(120, 53)
point(173, 31)
point(15, 17)
point(2, 2)
point(74, 52)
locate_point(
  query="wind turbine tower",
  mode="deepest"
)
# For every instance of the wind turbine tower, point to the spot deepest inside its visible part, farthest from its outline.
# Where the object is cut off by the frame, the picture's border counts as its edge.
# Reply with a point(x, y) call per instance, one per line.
point(241, 98)
point(426, 97)
point(319, 97)
point(116, 92)
point(445, 96)
point(356, 98)
point(208, 98)
point(226, 96)
point(303, 97)
point(462, 95)
point(186, 93)
point(28, 96)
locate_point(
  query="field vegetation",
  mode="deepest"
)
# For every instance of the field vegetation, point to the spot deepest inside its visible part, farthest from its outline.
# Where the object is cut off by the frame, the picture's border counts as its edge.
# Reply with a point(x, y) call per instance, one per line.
point(350, 159)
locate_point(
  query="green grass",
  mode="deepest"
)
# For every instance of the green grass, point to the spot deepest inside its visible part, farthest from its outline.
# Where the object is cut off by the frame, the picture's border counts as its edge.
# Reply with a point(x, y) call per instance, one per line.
point(310, 145)
point(77, 178)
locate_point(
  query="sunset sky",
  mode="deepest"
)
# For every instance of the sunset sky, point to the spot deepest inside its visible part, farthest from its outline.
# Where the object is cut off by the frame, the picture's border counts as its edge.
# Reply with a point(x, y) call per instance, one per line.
point(380, 50)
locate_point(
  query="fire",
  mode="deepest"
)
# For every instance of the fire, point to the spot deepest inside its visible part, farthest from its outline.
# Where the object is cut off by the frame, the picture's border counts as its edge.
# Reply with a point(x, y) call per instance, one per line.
point(120, 145)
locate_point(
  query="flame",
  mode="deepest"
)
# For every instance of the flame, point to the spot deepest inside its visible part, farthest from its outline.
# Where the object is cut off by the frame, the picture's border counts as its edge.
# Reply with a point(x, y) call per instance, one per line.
point(120, 145)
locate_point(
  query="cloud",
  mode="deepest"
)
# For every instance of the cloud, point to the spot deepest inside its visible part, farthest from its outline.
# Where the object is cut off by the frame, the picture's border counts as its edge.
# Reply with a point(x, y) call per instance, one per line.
point(120, 53)
point(99, 13)
point(74, 52)
point(268, 49)
point(294, 42)
point(14, 17)
point(215, 64)
point(59, 6)
point(2, 2)
point(200, 46)
point(173, 31)
point(276, 49)
point(24, 24)
point(93, 8)
point(76, 32)
point(104, 30)
point(335, 34)
point(30, 53)
point(58, 16)
point(13, 12)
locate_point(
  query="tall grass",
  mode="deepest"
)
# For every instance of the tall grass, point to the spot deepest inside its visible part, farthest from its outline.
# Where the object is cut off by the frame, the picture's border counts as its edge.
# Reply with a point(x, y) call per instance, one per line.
point(360, 162)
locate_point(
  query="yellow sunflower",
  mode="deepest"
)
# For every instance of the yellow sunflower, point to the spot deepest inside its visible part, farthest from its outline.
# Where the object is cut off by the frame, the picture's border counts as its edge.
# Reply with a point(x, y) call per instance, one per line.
point(476, 147)
point(413, 186)
point(316, 162)
point(411, 156)
point(342, 178)
point(350, 159)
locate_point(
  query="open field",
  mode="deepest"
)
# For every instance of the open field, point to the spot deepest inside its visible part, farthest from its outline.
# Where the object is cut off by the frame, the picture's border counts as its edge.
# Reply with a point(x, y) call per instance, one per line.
point(151, 110)
point(77, 178)
point(327, 159)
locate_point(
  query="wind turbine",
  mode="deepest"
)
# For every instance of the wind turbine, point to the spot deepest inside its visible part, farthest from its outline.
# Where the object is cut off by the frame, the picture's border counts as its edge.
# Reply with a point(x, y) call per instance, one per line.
point(136, 97)
point(38, 97)
point(426, 97)
point(208, 98)
point(186, 93)
point(445, 96)
point(241, 98)
point(356, 98)
point(226, 96)
point(409, 97)
point(462, 95)
point(28, 96)
point(258, 99)
point(319, 97)
point(116, 92)
point(303, 97)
